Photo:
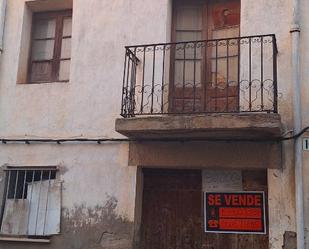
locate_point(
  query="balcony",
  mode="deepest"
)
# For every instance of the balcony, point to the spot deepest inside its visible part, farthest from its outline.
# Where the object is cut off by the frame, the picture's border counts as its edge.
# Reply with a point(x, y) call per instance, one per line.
point(223, 88)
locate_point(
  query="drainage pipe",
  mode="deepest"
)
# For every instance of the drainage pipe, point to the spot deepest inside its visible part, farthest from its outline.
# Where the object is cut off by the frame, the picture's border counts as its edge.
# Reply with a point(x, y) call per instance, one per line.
point(299, 190)
point(2, 20)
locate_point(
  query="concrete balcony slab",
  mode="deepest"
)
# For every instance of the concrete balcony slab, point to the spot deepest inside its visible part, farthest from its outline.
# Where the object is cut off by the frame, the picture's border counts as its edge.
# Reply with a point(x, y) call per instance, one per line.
point(208, 126)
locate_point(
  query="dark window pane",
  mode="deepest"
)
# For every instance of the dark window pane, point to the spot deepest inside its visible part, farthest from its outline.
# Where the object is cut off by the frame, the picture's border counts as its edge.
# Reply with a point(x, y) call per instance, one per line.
point(44, 29)
point(43, 50)
point(18, 185)
point(41, 71)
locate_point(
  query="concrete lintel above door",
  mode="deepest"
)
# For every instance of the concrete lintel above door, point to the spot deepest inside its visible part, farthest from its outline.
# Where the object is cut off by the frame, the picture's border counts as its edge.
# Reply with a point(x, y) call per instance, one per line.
point(202, 155)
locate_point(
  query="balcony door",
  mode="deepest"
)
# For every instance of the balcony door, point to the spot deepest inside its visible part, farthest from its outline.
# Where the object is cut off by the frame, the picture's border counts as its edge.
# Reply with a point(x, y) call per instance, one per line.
point(205, 74)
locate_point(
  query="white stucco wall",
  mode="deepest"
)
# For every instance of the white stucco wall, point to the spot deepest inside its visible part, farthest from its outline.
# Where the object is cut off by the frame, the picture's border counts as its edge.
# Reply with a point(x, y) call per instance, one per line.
point(274, 17)
point(87, 178)
point(90, 102)
point(88, 105)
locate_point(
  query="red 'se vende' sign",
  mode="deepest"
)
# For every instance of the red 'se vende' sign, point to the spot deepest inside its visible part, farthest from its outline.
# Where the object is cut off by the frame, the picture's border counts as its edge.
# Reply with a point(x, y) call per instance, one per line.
point(239, 212)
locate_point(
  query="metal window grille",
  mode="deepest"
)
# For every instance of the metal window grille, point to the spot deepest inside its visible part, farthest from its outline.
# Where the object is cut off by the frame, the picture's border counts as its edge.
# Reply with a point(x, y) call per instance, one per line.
point(31, 202)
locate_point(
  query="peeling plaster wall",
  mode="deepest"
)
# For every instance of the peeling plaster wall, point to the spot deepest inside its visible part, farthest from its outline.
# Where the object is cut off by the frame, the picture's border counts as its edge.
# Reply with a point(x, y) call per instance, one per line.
point(98, 194)
point(268, 17)
point(99, 188)
point(260, 17)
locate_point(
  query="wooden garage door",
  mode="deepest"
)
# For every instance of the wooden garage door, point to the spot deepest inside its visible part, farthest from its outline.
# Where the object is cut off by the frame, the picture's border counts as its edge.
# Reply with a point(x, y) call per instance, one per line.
point(172, 204)
point(172, 214)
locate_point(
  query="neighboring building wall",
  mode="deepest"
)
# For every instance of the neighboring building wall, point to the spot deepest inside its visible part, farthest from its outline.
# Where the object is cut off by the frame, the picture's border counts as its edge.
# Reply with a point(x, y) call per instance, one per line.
point(304, 48)
point(98, 186)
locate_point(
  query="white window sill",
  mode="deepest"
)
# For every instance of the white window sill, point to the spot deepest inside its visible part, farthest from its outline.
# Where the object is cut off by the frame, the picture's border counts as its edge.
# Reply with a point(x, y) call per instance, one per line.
point(26, 240)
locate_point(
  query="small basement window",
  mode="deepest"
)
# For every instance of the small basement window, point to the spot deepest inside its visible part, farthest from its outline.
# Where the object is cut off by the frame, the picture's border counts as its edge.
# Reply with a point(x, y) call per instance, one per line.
point(31, 202)
point(50, 47)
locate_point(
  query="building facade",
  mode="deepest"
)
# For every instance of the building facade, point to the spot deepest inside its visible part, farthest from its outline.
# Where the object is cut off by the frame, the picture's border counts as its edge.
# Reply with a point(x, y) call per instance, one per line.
point(120, 119)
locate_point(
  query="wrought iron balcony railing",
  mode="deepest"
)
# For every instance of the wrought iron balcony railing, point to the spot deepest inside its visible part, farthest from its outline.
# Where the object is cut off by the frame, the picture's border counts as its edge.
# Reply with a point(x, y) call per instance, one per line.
point(229, 75)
